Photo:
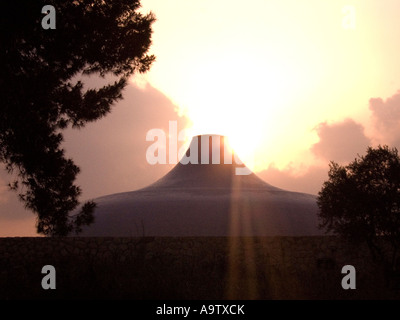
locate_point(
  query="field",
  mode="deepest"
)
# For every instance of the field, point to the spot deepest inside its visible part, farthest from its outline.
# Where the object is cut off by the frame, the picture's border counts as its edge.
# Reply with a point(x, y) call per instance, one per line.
point(271, 268)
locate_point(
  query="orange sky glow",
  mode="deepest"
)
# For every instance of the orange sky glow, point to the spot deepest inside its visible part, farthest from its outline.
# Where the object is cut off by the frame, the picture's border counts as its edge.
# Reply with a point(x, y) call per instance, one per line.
point(265, 73)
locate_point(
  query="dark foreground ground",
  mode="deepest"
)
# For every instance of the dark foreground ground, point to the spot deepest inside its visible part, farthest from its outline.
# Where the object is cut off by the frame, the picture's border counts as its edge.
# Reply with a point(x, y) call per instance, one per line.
point(268, 268)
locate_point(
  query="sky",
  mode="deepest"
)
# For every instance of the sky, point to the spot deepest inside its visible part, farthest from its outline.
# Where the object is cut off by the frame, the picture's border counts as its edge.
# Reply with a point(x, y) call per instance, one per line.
point(292, 84)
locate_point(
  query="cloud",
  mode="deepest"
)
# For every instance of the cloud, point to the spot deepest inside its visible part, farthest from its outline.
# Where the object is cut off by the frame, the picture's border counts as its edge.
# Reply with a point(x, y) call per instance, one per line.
point(110, 152)
point(386, 118)
point(3, 191)
point(340, 142)
point(309, 182)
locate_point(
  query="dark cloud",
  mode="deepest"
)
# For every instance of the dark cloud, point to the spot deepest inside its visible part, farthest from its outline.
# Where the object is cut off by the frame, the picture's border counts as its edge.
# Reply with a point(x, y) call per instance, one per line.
point(340, 142)
point(110, 152)
point(386, 117)
point(310, 182)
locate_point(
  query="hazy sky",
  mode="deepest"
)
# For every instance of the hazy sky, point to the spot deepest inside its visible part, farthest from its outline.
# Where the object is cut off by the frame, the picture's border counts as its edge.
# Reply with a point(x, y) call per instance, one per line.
point(293, 84)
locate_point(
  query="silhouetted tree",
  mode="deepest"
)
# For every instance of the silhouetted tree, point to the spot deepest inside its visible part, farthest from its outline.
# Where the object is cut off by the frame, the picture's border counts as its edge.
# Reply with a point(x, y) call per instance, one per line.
point(361, 202)
point(41, 93)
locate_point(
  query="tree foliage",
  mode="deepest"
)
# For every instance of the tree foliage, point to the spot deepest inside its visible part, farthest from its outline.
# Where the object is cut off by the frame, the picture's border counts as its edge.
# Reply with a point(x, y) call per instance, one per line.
point(361, 201)
point(41, 94)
